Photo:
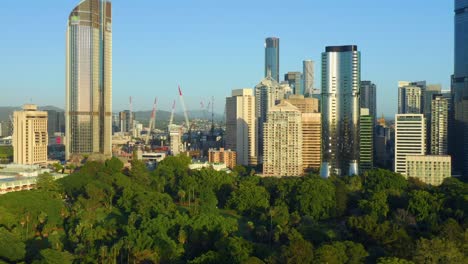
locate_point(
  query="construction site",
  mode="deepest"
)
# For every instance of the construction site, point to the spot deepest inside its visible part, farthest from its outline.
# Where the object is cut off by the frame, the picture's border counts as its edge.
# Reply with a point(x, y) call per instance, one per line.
point(155, 138)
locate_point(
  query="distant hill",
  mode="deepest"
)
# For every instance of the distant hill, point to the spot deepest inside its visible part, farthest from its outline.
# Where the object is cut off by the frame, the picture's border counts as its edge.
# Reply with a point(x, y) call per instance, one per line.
point(6, 111)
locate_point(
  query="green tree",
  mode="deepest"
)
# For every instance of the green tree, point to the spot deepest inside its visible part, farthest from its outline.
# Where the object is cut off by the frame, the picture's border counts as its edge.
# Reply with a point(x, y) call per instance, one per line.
point(249, 198)
point(316, 198)
point(341, 252)
point(393, 260)
point(234, 249)
point(437, 251)
point(50, 256)
point(12, 249)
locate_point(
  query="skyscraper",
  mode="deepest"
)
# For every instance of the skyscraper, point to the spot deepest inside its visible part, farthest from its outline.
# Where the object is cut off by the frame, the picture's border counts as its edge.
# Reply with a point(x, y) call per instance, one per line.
point(294, 80)
point(410, 138)
point(30, 138)
point(272, 57)
point(308, 77)
point(241, 128)
point(283, 141)
point(460, 88)
point(89, 79)
point(368, 98)
point(125, 121)
point(439, 126)
point(366, 141)
point(341, 77)
point(409, 99)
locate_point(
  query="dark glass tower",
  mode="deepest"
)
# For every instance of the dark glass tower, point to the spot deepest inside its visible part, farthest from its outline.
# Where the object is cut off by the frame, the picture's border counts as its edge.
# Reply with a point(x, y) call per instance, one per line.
point(272, 57)
point(459, 151)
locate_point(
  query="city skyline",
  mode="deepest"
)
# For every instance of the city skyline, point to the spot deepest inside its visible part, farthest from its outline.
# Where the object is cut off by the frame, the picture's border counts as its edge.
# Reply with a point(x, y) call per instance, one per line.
point(173, 57)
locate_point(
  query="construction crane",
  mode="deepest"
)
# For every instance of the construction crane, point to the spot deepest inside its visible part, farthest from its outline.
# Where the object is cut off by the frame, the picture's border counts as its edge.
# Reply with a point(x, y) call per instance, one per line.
point(171, 119)
point(182, 102)
point(131, 115)
point(151, 121)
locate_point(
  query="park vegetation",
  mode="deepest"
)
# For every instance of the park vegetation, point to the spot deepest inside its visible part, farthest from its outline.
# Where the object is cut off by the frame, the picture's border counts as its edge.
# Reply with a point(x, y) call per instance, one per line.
point(103, 213)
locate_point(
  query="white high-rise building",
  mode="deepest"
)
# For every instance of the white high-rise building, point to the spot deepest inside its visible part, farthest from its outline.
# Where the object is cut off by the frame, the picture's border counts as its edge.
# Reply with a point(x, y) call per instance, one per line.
point(283, 141)
point(241, 128)
point(30, 137)
point(308, 77)
point(410, 138)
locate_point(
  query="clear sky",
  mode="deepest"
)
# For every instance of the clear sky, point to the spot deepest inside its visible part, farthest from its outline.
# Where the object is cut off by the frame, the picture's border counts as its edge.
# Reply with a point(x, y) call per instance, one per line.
point(213, 46)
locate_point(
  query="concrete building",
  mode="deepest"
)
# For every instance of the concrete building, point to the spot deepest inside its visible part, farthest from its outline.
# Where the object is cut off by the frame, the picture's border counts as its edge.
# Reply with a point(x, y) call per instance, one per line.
point(272, 58)
point(126, 121)
point(308, 77)
point(368, 97)
point(341, 78)
point(311, 130)
point(409, 99)
point(305, 105)
point(439, 126)
point(459, 150)
point(366, 141)
point(227, 157)
point(429, 169)
point(283, 142)
point(410, 138)
point(30, 137)
point(241, 126)
point(175, 138)
point(88, 106)
point(294, 80)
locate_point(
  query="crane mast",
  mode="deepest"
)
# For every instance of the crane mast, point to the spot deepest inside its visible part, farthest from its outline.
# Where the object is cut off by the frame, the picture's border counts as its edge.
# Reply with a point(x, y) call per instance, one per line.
point(151, 121)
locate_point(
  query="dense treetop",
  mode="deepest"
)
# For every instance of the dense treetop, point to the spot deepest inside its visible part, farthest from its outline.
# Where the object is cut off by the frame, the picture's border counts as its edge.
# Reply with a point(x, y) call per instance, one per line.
point(104, 213)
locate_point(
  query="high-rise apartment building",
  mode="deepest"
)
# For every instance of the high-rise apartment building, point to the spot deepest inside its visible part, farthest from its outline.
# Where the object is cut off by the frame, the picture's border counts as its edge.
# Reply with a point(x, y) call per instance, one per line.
point(308, 77)
point(409, 99)
point(410, 138)
point(459, 150)
point(341, 78)
point(311, 130)
point(439, 126)
point(295, 82)
point(283, 142)
point(241, 126)
point(272, 58)
point(429, 169)
point(88, 111)
point(368, 97)
point(222, 155)
point(126, 121)
point(366, 141)
point(30, 137)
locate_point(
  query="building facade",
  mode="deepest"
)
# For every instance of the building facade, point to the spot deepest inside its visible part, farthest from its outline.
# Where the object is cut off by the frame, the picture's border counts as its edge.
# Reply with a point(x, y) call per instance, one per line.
point(88, 111)
point(308, 76)
point(126, 121)
point(272, 58)
point(410, 138)
point(283, 142)
point(30, 138)
point(340, 109)
point(429, 169)
point(459, 88)
point(368, 97)
point(409, 99)
point(439, 126)
point(366, 141)
point(175, 139)
point(305, 105)
point(227, 157)
point(294, 80)
point(241, 126)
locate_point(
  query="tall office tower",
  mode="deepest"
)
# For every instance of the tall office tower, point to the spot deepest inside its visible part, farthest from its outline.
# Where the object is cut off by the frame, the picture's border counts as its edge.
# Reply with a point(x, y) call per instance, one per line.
point(341, 78)
point(125, 120)
point(368, 98)
point(431, 90)
point(241, 126)
point(311, 130)
point(89, 79)
point(366, 141)
point(272, 58)
point(439, 126)
point(283, 142)
point(459, 150)
point(295, 82)
point(410, 138)
point(55, 123)
point(267, 93)
point(409, 99)
point(30, 138)
point(308, 77)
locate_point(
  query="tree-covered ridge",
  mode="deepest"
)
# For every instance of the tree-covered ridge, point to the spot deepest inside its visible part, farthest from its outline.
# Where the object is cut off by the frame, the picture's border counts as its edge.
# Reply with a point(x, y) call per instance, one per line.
point(106, 214)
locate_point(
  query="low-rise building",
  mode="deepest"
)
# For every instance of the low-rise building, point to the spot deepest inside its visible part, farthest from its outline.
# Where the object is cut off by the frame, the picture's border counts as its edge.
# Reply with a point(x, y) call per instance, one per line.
point(227, 157)
point(430, 169)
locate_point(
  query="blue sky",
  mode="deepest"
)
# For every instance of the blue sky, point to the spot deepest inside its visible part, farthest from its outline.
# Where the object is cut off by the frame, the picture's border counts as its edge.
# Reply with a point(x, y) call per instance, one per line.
point(211, 47)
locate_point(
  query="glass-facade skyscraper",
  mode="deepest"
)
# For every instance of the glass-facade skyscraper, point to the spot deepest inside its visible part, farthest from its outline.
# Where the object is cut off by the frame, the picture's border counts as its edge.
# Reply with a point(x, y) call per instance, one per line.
point(272, 57)
point(341, 78)
point(89, 79)
point(459, 151)
point(368, 98)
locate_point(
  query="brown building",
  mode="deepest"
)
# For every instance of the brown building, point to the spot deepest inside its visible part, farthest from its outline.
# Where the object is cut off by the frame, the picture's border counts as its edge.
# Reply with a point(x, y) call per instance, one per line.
point(311, 130)
point(227, 157)
point(30, 138)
